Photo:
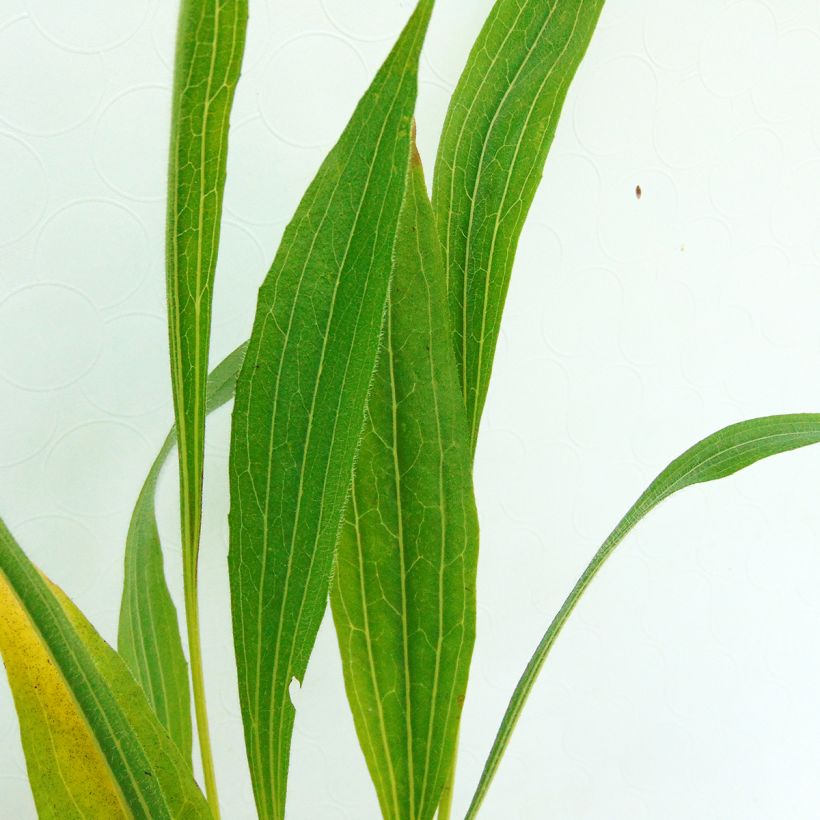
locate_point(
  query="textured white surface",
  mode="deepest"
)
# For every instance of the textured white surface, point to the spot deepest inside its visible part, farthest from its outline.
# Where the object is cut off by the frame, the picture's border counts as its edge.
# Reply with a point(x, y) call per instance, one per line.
point(686, 683)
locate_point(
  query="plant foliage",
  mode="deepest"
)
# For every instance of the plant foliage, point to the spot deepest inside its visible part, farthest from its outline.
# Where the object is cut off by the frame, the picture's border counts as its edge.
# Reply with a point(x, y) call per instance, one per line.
point(358, 399)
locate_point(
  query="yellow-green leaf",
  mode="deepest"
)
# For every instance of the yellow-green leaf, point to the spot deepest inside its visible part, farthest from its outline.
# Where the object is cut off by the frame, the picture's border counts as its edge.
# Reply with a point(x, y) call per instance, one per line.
point(93, 746)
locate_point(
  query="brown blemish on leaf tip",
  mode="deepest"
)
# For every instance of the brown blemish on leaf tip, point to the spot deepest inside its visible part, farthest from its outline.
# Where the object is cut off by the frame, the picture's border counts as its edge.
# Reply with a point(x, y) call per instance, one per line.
point(638, 192)
point(415, 158)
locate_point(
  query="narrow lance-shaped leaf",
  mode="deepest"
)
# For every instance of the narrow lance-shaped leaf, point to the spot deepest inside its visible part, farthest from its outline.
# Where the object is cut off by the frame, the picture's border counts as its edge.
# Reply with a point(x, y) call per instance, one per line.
point(498, 130)
point(300, 402)
point(149, 640)
point(209, 48)
point(404, 592)
point(717, 456)
point(93, 746)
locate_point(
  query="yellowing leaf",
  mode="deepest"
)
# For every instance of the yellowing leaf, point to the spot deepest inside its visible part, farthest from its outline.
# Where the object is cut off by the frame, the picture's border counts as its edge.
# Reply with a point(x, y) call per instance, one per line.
point(93, 746)
point(67, 771)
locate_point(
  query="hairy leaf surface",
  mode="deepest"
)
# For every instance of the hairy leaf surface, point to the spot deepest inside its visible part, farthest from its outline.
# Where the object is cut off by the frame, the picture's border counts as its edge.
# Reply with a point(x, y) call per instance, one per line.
point(300, 402)
point(210, 43)
point(498, 130)
point(717, 456)
point(93, 746)
point(404, 592)
point(149, 640)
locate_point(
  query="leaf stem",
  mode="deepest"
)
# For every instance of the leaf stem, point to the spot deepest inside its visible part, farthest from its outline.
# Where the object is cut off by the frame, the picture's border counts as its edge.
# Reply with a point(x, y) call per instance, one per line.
point(198, 681)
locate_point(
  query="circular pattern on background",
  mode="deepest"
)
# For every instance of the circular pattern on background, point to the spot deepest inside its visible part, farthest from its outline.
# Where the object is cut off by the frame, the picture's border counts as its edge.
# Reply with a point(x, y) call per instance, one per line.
point(751, 29)
point(795, 206)
point(791, 92)
point(97, 246)
point(130, 378)
point(368, 19)
point(607, 120)
point(54, 332)
point(240, 270)
point(689, 101)
point(92, 25)
point(741, 195)
point(673, 32)
point(657, 319)
point(463, 16)
point(49, 539)
point(163, 29)
point(630, 228)
point(330, 75)
point(131, 143)
point(33, 425)
point(92, 469)
point(23, 183)
point(266, 176)
point(622, 386)
point(61, 89)
point(584, 315)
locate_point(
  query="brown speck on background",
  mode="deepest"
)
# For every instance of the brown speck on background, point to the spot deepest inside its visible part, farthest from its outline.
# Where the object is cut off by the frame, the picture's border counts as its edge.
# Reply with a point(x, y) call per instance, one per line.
point(638, 191)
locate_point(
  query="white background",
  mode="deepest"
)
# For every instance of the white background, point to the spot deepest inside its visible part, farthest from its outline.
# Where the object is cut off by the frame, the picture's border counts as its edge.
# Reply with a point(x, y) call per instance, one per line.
point(686, 683)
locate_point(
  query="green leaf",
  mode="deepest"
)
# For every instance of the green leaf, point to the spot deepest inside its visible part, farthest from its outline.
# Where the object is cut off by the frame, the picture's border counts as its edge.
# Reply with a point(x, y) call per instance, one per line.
point(93, 746)
point(209, 48)
point(210, 43)
point(717, 456)
point(300, 403)
point(149, 640)
point(498, 130)
point(404, 592)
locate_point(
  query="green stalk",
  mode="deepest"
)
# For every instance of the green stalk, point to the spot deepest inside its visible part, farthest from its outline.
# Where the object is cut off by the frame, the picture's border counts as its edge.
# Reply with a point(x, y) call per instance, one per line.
point(198, 682)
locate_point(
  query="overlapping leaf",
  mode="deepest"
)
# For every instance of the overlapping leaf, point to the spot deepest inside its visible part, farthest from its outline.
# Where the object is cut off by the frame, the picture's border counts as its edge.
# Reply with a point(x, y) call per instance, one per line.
point(717, 456)
point(300, 402)
point(404, 591)
point(499, 128)
point(94, 747)
point(148, 639)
